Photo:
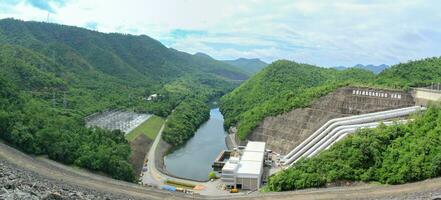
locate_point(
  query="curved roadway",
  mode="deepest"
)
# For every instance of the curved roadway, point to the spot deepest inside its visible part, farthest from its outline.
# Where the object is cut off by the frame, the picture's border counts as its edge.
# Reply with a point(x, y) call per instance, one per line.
point(82, 178)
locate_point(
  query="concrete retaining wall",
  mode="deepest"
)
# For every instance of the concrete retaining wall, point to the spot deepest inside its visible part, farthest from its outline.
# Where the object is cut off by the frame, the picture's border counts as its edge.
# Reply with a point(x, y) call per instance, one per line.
point(284, 132)
point(425, 96)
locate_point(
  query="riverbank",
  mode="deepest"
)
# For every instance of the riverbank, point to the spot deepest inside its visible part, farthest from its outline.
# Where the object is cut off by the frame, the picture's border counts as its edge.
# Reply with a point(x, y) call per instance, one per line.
point(194, 159)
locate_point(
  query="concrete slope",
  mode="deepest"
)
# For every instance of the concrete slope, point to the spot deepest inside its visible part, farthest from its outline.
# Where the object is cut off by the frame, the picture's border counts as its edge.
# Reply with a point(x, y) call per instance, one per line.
point(324, 134)
point(284, 132)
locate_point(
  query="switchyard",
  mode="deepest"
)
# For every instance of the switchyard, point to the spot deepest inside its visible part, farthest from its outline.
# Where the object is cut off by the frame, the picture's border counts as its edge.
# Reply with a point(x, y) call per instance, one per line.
point(116, 119)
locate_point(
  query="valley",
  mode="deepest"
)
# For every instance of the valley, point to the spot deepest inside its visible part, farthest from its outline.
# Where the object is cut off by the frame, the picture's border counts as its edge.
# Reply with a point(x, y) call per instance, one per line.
point(121, 116)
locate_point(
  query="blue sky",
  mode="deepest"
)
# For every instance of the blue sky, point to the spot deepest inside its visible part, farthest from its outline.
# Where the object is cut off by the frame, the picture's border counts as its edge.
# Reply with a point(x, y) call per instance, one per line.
point(321, 32)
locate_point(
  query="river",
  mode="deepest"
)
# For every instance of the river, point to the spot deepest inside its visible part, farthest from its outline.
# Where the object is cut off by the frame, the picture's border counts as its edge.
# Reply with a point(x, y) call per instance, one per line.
point(194, 159)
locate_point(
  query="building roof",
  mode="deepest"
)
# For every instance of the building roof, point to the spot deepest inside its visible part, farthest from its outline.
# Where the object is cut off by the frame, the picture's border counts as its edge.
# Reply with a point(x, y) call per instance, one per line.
point(249, 169)
point(255, 146)
point(252, 156)
point(234, 159)
point(229, 166)
point(251, 162)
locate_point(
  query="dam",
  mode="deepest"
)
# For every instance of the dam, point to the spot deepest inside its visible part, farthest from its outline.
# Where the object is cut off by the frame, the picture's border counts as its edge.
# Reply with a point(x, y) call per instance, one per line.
point(286, 131)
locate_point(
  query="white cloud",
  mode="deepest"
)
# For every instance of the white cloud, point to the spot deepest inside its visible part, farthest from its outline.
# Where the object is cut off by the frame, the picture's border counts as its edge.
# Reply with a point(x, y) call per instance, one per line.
point(318, 32)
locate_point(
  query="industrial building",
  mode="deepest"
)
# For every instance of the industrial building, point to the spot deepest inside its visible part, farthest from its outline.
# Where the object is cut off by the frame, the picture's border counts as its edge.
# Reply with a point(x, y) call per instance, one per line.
point(245, 172)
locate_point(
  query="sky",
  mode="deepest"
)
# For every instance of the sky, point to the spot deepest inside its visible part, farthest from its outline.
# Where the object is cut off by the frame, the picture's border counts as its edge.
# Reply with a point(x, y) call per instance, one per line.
point(321, 32)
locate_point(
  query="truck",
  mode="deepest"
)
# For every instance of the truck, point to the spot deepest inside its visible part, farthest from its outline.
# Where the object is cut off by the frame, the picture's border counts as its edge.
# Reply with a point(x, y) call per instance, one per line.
point(168, 188)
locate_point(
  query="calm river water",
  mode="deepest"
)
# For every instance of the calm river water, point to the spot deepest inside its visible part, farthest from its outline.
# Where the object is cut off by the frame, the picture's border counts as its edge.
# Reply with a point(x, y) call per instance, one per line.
point(194, 159)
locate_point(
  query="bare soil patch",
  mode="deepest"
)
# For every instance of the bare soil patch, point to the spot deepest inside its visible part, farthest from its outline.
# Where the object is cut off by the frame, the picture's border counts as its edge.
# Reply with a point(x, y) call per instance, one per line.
point(140, 147)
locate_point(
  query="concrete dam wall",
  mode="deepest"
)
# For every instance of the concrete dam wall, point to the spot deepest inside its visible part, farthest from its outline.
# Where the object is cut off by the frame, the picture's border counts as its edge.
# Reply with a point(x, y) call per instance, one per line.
point(284, 132)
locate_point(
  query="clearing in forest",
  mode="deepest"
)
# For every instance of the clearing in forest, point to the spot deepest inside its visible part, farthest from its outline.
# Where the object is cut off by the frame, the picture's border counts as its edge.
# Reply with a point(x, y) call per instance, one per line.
point(150, 128)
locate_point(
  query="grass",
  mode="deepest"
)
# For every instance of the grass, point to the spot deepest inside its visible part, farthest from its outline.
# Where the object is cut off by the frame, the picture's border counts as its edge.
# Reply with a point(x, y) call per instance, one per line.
point(150, 128)
point(180, 184)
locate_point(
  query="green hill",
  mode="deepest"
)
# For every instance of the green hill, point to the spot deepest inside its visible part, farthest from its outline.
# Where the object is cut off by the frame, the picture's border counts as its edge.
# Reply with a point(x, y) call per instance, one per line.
point(285, 85)
point(251, 66)
point(114, 63)
point(52, 76)
point(412, 74)
point(392, 155)
point(280, 87)
point(138, 59)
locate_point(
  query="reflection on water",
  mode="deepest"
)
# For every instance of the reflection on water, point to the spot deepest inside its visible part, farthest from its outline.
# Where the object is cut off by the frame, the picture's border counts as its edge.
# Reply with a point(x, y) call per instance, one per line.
point(194, 159)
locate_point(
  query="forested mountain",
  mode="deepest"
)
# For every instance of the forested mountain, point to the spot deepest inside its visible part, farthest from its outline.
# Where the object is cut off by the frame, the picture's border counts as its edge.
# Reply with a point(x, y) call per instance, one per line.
point(52, 76)
point(393, 155)
point(412, 74)
point(251, 66)
point(139, 59)
point(285, 85)
point(373, 68)
point(376, 69)
point(280, 87)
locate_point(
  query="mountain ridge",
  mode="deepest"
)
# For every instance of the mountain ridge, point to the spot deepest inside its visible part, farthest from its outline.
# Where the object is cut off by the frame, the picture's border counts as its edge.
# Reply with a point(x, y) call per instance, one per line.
point(376, 69)
point(249, 65)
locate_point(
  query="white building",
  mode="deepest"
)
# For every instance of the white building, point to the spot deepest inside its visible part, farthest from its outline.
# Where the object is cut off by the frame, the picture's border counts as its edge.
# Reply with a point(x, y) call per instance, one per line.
point(152, 97)
point(246, 172)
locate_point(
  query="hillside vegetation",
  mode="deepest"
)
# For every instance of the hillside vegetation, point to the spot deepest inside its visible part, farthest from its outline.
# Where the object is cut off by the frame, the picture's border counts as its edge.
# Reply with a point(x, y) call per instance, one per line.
point(411, 74)
point(393, 155)
point(52, 76)
point(184, 121)
point(285, 85)
point(280, 87)
point(250, 66)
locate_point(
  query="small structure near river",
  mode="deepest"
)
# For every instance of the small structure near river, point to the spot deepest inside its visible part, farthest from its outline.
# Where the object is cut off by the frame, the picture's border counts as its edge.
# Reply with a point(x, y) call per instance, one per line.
point(246, 171)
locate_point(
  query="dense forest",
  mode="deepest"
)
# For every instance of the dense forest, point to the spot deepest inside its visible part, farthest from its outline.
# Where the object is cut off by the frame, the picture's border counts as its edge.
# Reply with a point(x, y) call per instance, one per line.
point(285, 85)
point(280, 87)
point(52, 76)
point(184, 121)
point(411, 74)
point(387, 154)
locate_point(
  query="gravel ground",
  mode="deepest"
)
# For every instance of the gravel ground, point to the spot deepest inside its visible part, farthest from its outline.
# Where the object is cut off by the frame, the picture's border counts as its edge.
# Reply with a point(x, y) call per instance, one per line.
point(19, 184)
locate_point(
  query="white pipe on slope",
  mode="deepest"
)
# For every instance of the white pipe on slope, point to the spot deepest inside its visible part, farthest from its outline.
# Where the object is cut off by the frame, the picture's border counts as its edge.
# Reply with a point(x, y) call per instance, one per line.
point(328, 123)
point(347, 133)
point(340, 134)
point(347, 121)
point(336, 131)
point(376, 117)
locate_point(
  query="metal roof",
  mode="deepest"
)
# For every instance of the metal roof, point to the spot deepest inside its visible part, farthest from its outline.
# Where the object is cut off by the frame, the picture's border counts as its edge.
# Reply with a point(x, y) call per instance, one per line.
point(229, 166)
point(249, 169)
point(255, 146)
point(252, 156)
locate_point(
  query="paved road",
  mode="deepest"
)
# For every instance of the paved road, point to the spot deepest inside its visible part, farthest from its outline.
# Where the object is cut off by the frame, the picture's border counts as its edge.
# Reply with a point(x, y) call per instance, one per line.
point(155, 177)
point(82, 178)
